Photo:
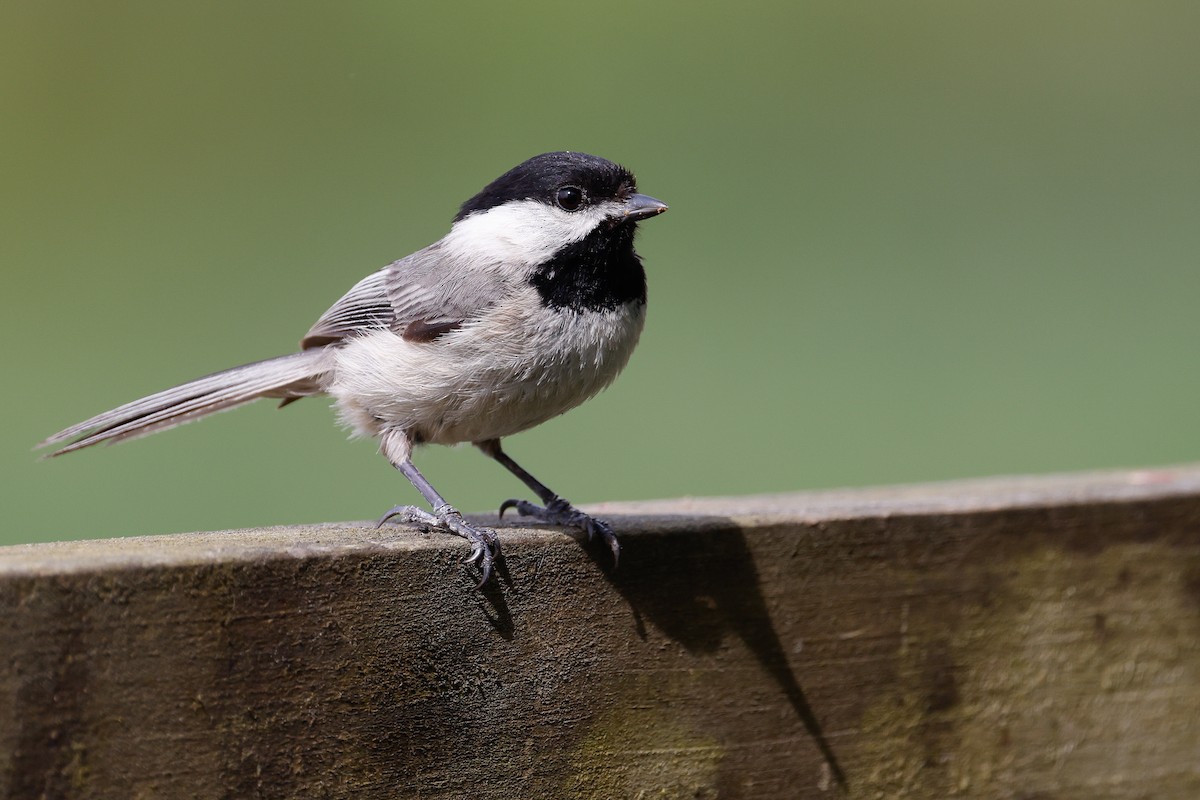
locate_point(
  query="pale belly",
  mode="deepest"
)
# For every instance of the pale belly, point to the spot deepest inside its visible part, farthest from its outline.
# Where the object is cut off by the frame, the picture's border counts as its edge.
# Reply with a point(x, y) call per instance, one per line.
point(509, 372)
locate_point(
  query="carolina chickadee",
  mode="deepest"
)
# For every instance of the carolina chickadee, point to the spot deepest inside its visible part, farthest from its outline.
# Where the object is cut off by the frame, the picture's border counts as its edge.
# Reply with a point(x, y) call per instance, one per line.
point(531, 304)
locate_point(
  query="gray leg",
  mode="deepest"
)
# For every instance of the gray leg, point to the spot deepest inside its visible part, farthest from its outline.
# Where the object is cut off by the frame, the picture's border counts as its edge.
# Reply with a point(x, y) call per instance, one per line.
point(485, 545)
point(554, 510)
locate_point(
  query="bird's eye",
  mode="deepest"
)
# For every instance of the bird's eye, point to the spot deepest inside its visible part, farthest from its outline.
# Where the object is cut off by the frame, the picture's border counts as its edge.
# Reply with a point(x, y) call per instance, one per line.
point(569, 198)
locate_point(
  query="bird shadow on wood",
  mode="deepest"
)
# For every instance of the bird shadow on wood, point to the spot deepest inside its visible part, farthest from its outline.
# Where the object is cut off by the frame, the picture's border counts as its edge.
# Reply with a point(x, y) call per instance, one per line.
point(491, 600)
point(694, 578)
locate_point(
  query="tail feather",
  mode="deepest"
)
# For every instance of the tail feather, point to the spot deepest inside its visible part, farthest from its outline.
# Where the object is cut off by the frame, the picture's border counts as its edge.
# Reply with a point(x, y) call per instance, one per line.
point(291, 377)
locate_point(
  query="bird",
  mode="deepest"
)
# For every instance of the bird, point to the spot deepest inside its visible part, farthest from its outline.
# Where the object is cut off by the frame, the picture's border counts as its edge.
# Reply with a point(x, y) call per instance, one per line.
point(531, 304)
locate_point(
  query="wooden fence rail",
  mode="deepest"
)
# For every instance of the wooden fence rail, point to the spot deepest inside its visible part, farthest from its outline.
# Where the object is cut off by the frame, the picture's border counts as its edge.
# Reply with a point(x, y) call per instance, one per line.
point(1010, 638)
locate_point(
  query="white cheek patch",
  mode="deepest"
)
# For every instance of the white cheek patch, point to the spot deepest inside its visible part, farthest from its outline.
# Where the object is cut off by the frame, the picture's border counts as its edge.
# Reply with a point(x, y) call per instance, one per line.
point(523, 232)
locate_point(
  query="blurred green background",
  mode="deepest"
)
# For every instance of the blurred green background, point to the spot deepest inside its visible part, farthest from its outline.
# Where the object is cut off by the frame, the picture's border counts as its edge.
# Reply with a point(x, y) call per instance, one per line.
point(907, 241)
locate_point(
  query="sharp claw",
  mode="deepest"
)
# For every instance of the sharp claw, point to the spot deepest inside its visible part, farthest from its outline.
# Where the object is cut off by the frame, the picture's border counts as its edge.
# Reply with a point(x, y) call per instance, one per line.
point(396, 510)
point(611, 538)
point(486, 569)
point(506, 505)
point(411, 514)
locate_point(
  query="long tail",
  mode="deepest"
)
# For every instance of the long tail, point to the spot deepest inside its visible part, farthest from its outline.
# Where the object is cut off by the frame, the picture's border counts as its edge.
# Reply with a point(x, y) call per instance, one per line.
point(289, 377)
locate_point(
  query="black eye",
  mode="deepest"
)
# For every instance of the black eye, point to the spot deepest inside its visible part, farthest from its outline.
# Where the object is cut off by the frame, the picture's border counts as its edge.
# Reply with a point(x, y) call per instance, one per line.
point(569, 198)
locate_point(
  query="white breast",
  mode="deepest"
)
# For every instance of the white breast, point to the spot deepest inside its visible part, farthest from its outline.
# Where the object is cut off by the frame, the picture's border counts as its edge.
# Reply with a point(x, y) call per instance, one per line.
point(516, 367)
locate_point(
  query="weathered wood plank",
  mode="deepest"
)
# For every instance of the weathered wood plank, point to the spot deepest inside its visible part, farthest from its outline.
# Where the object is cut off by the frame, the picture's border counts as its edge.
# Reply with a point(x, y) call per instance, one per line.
point(1034, 638)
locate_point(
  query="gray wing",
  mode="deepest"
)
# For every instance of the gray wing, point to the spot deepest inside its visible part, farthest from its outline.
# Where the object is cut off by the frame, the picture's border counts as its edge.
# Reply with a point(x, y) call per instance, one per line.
point(420, 297)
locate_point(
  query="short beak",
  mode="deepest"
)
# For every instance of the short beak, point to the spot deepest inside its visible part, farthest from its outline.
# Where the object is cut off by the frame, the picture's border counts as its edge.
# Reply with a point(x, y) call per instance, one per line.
point(640, 206)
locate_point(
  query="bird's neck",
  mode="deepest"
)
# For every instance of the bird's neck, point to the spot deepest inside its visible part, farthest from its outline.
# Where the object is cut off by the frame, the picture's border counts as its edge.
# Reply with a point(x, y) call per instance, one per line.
point(598, 273)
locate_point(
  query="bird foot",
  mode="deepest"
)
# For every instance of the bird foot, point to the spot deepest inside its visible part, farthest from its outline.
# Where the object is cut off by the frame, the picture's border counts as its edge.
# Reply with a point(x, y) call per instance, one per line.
point(485, 544)
point(560, 512)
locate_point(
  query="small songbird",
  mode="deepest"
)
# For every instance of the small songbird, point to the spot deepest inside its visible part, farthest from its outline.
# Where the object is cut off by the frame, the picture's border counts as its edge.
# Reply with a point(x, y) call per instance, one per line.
point(531, 304)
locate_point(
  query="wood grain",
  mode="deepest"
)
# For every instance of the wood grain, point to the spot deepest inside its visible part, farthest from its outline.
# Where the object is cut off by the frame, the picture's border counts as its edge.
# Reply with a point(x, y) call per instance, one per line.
point(1009, 638)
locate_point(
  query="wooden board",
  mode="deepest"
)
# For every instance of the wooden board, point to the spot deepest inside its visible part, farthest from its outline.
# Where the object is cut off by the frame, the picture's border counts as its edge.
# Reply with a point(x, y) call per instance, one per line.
point(1010, 638)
